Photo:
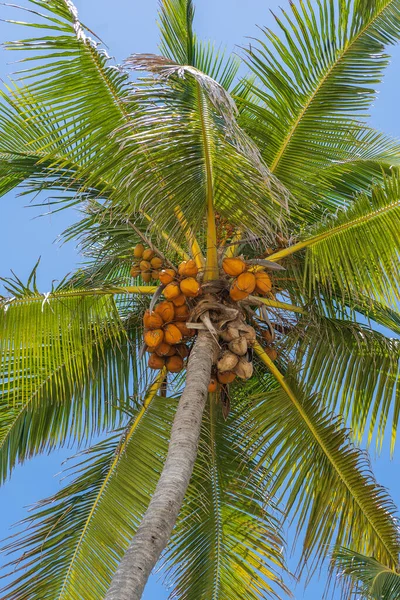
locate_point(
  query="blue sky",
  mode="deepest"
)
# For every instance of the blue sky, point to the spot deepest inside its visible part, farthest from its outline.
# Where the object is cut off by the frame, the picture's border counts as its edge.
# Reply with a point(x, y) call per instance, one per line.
point(128, 27)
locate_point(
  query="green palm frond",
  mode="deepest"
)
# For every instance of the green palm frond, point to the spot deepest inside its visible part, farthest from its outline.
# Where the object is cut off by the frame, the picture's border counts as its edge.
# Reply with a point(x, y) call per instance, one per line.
point(66, 361)
point(356, 252)
point(356, 369)
point(227, 543)
point(74, 540)
point(326, 483)
point(312, 88)
point(374, 580)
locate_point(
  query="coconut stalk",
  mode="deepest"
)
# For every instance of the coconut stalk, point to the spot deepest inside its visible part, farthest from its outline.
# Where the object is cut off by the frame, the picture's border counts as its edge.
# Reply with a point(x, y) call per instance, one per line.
point(156, 527)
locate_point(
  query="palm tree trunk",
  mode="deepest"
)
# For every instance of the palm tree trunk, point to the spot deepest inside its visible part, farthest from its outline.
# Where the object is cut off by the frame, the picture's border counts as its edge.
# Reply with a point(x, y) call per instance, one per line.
point(159, 520)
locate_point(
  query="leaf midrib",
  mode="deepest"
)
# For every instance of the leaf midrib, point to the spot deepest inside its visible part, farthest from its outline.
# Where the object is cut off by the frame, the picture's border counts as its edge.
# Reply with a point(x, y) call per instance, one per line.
point(340, 57)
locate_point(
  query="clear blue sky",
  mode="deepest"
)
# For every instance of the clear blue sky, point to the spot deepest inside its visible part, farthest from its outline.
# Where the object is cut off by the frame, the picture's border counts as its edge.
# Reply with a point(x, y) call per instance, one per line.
point(129, 26)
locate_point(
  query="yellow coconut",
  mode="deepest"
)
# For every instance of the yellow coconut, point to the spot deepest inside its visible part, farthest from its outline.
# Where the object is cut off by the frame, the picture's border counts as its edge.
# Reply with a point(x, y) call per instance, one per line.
point(145, 266)
point(156, 262)
point(172, 334)
point(172, 290)
point(246, 282)
point(190, 287)
point(148, 254)
point(154, 337)
point(167, 276)
point(188, 268)
point(263, 283)
point(138, 251)
point(174, 364)
point(233, 266)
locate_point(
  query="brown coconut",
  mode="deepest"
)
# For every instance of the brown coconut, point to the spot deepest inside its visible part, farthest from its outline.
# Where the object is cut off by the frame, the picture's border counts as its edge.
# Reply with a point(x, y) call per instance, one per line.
point(156, 362)
point(182, 350)
point(135, 270)
point(182, 313)
point(185, 331)
point(138, 251)
point(147, 254)
point(233, 266)
point(166, 310)
point(146, 277)
point(172, 334)
point(238, 346)
point(145, 266)
point(165, 349)
point(246, 282)
point(226, 377)
point(153, 320)
point(154, 337)
point(156, 262)
point(172, 290)
point(237, 294)
point(188, 268)
point(155, 275)
point(167, 276)
point(244, 369)
point(213, 385)
point(267, 336)
point(271, 352)
point(174, 364)
point(190, 287)
point(229, 334)
point(179, 300)
point(263, 283)
point(227, 362)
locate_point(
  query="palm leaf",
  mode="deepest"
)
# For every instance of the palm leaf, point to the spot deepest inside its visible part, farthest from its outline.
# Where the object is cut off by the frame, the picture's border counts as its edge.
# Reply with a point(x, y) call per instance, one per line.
point(374, 580)
point(74, 540)
point(326, 483)
point(227, 542)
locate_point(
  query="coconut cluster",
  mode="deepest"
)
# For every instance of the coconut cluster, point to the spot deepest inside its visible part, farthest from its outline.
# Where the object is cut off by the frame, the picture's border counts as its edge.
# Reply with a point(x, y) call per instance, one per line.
point(146, 264)
point(248, 279)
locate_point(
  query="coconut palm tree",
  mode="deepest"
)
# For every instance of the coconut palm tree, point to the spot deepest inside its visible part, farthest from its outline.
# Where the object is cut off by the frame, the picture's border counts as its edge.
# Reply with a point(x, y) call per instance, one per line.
point(374, 580)
point(275, 176)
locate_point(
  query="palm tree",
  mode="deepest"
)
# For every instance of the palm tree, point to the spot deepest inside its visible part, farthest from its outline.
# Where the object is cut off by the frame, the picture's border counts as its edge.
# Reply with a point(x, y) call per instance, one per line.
point(374, 580)
point(202, 165)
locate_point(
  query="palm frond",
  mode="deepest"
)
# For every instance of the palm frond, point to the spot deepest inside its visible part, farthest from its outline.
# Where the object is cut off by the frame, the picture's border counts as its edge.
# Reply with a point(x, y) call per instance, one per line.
point(73, 542)
point(313, 85)
point(374, 580)
point(66, 365)
point(326, 483)
point(227, 542)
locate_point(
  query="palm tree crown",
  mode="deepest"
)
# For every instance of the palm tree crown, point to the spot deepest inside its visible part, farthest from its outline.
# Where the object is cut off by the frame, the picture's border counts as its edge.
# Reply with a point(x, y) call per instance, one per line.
point(181, 154)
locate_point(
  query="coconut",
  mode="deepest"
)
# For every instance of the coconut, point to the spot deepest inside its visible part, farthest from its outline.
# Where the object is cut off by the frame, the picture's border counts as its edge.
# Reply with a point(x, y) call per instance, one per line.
point(229, 334)
point(145, 266)
point(250, 334)
point(166, 310)
point(263, 283)
point(165, 349)
point(182, 350)
point(185, 331)
point(182, 313)
point(190, 287)
point(238, 346)
point(244, 369)
point(156, 362)
point(213, 385)
point(246, 282)
point(154, 337)
point(148, 254)
point(153, 320)
point(172, 334)
point(138, 251)
point(226, 377)
point(267, 336)
point(227, 362)
point(146, 277)
point(135, 270)
point(179, 300)
point(155, 275)
point(167, 276)
point(174, 364)
point(188, 268)
point(172, 290)
point(237, 294)
point(271, 352)
point(156, 262)
point(233, 266)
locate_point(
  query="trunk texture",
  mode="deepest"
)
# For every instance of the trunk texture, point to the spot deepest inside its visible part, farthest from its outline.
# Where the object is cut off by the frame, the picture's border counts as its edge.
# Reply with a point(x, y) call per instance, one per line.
point(159, 520)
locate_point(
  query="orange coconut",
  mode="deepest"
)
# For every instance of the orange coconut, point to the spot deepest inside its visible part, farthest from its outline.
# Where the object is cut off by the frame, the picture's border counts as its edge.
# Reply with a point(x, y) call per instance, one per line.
point(165, 349)
point(179, 300)
point(145, 266)
point(237, 294)
point(155, 275)
point(138, 251)
point(135, 270)
point(246, 282)
point(263, 282)
point(174, 364)
point(156, 362)
point(172, 290)
point(213, 385)
point(167, 276)
point(226, 377)
point(190, 287)
point(185, 331)
point(182, 313)
point(156, 262)
point(172, 334)
point(153, 320)
point(154, 337)
point(188, 268)
point(233, 266)
point(148, 254)
point(166, 310)
point(271, 352)
point(146, 277)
